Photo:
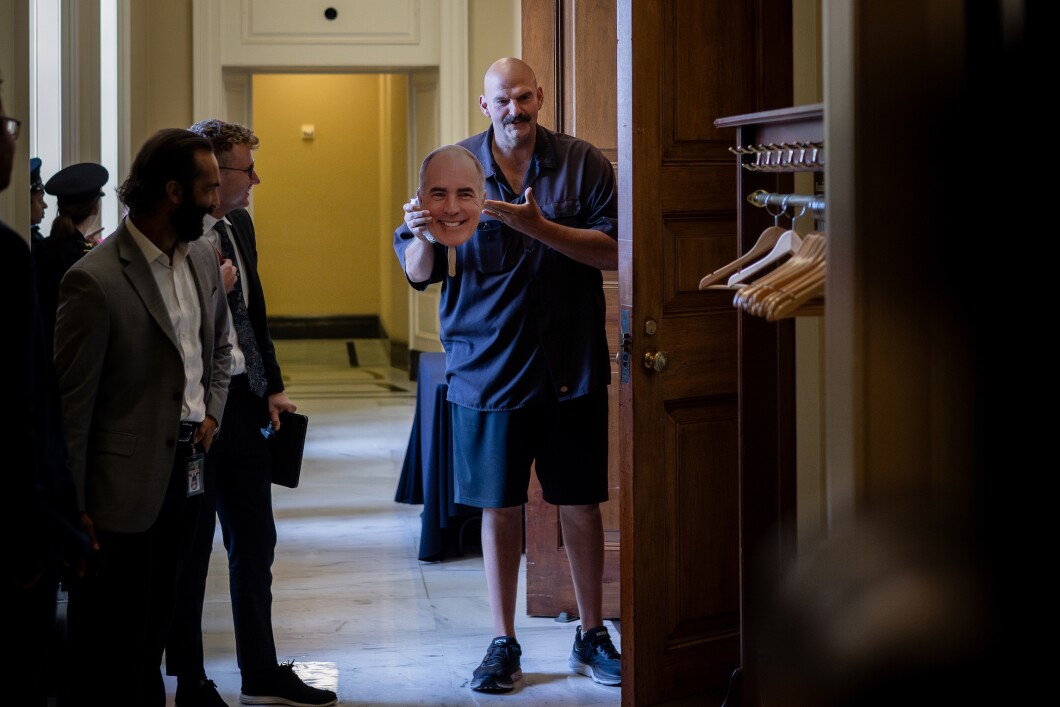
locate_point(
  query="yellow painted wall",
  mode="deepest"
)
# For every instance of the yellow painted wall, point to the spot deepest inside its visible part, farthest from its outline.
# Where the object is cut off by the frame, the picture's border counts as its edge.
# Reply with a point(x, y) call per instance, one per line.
point(160, 68)
point(393, 310)
point(317, 209)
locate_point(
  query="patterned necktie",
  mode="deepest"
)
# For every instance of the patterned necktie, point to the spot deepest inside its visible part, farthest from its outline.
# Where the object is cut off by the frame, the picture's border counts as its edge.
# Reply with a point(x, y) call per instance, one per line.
point(244, 331)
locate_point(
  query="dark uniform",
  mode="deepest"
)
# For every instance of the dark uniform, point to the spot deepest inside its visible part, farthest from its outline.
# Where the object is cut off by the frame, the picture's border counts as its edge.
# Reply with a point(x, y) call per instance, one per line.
point(36, 186)
point(54, 256)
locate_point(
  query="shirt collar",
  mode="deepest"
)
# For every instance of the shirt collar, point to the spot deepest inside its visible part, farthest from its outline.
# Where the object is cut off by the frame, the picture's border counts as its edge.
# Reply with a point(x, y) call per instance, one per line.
point(544, 151)
point(151, 251)
point(208, 222)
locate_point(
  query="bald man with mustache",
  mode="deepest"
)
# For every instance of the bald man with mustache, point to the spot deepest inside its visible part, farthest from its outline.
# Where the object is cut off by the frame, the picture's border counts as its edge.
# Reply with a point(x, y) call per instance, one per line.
point(522, 323)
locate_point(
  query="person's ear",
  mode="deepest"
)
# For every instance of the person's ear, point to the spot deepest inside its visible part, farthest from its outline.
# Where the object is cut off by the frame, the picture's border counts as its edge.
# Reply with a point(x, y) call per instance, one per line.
point(174, 191)
point(484, 105)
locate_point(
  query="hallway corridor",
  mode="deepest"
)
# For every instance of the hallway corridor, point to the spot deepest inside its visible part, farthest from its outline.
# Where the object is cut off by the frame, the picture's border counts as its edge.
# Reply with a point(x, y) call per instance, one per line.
point(353, 606)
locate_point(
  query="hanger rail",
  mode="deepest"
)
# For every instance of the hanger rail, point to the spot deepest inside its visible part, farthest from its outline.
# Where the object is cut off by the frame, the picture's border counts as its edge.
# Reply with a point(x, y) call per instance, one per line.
point(762, 199)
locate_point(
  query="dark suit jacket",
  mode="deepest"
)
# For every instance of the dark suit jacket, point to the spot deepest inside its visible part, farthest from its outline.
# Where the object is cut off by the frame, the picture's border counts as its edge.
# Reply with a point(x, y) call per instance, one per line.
point(121, 376)
point(243, 227)
point(53, 257)
point(39, 511)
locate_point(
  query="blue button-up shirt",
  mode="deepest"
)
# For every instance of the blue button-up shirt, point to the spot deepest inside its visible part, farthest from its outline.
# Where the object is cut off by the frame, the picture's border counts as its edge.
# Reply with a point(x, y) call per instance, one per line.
point(522, 323)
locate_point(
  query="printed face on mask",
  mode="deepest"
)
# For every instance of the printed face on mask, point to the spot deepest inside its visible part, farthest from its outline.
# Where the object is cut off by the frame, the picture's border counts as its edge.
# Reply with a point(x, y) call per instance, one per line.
point(452, 191)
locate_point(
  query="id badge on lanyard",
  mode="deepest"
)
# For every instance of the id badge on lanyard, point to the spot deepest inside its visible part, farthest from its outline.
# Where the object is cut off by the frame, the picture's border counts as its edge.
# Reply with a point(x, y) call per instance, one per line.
point(195, 468)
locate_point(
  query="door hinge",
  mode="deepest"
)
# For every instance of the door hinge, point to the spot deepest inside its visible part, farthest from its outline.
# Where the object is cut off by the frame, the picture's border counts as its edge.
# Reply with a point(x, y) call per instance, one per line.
point(625, 345)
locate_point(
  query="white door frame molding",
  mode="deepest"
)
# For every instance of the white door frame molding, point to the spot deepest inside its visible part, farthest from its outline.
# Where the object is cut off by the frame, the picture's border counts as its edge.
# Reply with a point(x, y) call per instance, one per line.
point(442, 43)
point(440, 31)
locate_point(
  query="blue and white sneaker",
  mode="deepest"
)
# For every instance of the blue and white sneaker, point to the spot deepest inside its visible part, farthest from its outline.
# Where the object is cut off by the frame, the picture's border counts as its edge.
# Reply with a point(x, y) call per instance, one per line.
point(594, 655)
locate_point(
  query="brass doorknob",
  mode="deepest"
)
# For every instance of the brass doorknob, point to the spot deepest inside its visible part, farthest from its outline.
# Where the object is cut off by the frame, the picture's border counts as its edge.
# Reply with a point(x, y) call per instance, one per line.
point(656, 360)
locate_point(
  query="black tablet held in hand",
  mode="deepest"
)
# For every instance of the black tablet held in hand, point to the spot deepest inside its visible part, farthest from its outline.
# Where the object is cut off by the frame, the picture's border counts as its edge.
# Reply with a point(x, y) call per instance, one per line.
point(287, 445)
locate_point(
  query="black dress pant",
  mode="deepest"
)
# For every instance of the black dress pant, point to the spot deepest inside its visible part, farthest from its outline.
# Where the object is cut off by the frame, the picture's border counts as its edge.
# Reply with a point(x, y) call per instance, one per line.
point(119, 613)
point(239, 479)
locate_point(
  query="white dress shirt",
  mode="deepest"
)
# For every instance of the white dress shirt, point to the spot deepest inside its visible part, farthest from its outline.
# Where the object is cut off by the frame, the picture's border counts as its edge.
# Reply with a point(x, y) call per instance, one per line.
point(181, 298)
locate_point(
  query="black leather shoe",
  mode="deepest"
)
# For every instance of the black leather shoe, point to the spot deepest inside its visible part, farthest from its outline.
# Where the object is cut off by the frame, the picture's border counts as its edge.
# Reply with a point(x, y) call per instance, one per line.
point(282, 686)
point(202, 693)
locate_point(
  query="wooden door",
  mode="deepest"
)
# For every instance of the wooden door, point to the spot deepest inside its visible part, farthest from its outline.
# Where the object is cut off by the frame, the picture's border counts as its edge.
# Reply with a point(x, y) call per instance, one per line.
point(681, 65)
point(571, 46)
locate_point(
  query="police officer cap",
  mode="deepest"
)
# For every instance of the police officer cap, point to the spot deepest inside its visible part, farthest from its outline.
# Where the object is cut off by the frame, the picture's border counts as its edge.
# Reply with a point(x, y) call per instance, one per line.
point(78, 181)
point(35, 184)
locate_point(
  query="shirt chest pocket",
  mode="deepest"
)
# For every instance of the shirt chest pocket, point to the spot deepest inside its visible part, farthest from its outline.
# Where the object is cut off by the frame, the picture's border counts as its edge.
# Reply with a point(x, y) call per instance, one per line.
point(495, 246)
point(565, 211)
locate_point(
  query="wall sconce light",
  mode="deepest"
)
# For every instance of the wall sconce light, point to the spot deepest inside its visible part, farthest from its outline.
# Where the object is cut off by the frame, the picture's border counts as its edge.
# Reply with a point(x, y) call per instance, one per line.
point(309, 132)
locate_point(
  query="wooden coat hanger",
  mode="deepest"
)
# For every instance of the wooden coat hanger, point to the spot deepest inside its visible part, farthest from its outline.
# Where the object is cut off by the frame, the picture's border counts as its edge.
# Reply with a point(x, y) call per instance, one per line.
point(766, 241)
point(750, 295)
point(810, 285)
point(813, 286)
point(780, 292)
point(788, 243)
point(760, 297)
point(807, 280)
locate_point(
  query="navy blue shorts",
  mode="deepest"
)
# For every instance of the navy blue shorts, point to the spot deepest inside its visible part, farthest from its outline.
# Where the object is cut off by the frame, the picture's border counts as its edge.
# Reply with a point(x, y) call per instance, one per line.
point(493, 450)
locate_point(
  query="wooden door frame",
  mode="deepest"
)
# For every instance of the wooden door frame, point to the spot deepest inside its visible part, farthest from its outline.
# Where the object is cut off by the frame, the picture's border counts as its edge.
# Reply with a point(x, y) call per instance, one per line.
point(765, 390)
point(556, 34)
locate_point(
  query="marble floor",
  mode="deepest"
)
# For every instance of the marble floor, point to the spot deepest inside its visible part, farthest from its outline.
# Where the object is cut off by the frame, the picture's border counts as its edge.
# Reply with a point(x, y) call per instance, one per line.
point(353, 606)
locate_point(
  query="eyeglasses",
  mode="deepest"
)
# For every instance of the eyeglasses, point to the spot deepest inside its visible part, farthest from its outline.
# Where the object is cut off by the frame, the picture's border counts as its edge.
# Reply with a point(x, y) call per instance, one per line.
point(13, 126)
point(249, 171)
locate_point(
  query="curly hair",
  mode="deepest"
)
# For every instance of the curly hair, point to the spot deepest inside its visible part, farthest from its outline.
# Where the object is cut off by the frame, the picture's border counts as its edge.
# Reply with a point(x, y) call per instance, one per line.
point(223, 136)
